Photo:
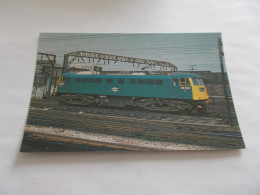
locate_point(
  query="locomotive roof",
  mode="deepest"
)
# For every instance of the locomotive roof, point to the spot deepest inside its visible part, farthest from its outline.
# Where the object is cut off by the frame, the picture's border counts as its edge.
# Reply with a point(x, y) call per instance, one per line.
point(172, 75)
point(184, 75)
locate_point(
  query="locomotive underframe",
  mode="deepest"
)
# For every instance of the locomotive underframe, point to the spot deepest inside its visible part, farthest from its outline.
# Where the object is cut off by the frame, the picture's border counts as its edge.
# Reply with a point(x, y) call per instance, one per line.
point(153, 104)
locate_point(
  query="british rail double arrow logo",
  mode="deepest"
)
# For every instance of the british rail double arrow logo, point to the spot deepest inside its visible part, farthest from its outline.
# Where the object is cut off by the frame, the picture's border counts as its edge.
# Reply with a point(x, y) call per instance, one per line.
point(114, 89)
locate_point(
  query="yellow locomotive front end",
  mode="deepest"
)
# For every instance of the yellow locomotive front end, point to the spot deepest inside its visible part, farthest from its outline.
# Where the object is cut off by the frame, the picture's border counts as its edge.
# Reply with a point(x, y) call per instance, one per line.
point(199, 93)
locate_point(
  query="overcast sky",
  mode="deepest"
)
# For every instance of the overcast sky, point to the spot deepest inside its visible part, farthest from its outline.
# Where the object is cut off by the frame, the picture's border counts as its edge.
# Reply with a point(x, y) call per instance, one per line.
point(182, 50)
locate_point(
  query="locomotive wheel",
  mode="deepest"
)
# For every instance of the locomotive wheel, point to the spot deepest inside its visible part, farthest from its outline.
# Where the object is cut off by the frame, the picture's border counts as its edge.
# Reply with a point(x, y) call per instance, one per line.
point(79, 100)
point(164, 105)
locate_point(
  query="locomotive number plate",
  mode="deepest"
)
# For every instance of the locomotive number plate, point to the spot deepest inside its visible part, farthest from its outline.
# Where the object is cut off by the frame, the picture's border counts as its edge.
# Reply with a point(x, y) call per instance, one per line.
point(185, 87)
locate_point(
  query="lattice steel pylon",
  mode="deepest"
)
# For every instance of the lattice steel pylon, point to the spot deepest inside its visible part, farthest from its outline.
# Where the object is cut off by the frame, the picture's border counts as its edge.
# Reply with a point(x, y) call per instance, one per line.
point(69, 58)
point(51, 61)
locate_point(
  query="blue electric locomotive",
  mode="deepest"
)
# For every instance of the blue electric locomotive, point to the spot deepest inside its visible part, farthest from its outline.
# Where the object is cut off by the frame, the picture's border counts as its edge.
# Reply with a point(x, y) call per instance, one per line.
point(174, 92)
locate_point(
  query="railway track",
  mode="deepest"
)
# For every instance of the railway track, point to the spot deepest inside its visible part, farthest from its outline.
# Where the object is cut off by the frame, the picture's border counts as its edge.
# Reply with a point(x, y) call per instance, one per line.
point(144, 114)
point(208, 134)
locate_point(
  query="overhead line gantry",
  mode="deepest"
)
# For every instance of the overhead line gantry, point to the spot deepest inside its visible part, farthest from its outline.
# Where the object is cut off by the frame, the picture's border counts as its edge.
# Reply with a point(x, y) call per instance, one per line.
point(69, 58)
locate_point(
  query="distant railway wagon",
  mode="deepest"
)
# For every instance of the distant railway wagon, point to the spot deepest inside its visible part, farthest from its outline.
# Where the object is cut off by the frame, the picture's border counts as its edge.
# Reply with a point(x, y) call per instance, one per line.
point(174, 92)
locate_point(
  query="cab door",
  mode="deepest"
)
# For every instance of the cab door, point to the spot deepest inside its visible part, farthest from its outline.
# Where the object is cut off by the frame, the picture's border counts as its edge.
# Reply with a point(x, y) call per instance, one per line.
point(185, 88)
point(175, 88)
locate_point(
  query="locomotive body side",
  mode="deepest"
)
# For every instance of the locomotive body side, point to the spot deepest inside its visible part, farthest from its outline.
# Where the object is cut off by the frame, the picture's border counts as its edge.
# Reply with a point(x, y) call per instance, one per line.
point(124, 85)
point(186, 87)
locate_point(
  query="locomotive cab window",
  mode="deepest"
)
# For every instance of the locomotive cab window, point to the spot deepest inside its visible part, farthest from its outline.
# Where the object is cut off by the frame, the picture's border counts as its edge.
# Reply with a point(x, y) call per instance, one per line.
point(77, 80)
point(187, 82)
point(201, 82)
point(195, 81)
point(184, 82)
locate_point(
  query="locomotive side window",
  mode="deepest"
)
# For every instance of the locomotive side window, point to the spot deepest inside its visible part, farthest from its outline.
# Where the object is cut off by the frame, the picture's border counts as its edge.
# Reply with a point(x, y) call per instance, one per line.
point(195, 81)
point(150, 81)
point(99, 80)
point(120, 81)
point(159, 82)
point(109, 80)
point(77, 80)
point(84, 80)
point(141, 81)
point(132, 81)
point(91, 80)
